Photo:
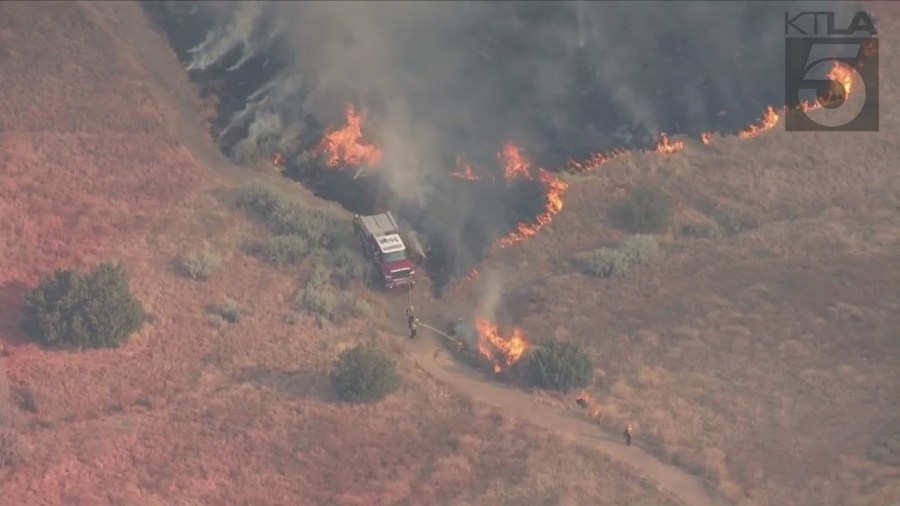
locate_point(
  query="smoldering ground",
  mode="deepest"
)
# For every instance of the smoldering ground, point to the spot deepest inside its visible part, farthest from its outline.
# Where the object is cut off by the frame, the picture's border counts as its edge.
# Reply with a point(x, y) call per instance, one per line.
point(440, 79)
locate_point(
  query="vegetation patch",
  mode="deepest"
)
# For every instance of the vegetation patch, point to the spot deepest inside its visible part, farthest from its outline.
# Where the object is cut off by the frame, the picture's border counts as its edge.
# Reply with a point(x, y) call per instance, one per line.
point(228, 310)
point(199, 265)
point(327, 301)
point(71, 310)
point(284, 216)
point(303, 233)
point(635, 251)
point(558, 365)
point(648, 210)
point(364, 374)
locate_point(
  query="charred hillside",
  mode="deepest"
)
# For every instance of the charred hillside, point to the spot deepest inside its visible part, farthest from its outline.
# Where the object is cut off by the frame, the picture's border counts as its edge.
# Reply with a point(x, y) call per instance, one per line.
point(432, 82)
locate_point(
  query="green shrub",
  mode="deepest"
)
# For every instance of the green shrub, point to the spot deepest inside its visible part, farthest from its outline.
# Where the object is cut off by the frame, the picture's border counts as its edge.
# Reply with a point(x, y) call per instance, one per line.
point(285, 249)
point(559, 366)
point(364, 374)
point(635, 251)
point(323, 299)
point(228, 310)
point(648, 210)
point(93, 311)
point(199, 265)
point(284, 216)
point(348, 264)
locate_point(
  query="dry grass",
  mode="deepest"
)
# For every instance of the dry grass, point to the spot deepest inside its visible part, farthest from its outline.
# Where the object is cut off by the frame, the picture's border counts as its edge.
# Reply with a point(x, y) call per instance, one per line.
point(102, 161)
point(764, 359)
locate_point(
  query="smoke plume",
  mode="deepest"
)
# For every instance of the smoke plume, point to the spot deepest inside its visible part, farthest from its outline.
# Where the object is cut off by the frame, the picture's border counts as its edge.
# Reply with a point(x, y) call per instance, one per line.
point(490, 294)
point(442, 79)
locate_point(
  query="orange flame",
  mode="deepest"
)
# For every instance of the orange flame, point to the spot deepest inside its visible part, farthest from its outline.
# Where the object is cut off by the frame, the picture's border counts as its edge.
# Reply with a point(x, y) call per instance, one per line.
point(501, 351)
point(345, 146)
point(767, 122)
point(463, 170)
point(706, 137)
point(278, 160)
point(843, 75)
point(518, 166)
point(667, 147)
point(473, 274)
point(514, 164)
point(595, 161)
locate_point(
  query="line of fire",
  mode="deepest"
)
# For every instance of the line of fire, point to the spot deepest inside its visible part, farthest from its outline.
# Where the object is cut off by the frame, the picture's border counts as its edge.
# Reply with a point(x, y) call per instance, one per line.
point(345, 153)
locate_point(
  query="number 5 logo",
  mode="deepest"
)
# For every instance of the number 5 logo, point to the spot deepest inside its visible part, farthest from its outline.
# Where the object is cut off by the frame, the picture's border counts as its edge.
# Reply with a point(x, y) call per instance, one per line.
point(840, 76)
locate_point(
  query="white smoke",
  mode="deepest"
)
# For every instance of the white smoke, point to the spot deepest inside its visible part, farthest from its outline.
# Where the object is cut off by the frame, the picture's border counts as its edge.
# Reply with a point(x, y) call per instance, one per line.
point(490, 294)
point(220, 42)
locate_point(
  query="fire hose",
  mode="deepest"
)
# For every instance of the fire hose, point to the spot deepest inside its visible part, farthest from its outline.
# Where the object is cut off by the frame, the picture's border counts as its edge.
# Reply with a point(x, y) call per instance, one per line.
point(442, 334)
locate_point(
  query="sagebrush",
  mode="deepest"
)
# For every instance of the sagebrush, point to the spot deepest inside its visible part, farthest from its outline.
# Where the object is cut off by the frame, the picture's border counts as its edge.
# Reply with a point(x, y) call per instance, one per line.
point(559, 365)
point(285, 249)
point(69, 309)
point(647, 210)
point(364, 374)
point(304, 233)
point(322, 298)
point(284, 216)
point(635, 251)
point(228, 310)
point(199, 265)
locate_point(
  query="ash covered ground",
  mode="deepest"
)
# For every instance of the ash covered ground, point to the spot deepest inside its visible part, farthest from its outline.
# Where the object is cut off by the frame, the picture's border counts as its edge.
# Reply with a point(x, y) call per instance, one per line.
point(437, 81)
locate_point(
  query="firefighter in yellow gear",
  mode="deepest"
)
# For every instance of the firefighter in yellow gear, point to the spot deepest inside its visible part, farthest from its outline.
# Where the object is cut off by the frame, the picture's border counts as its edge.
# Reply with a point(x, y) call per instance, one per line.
point(413, 325)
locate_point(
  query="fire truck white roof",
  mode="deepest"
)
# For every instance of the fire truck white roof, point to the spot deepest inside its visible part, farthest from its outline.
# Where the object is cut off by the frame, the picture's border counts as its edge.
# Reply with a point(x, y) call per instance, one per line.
point(383, 228)
point(390, 243)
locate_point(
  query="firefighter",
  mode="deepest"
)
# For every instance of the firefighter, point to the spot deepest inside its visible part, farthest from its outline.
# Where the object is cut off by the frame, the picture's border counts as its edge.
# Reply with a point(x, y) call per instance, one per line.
point(628, 435)
point(410, 315)
point(413, 325)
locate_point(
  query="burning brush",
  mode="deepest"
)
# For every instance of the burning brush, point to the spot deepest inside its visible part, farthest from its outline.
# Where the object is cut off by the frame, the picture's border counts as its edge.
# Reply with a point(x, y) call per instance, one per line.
point(485, 342)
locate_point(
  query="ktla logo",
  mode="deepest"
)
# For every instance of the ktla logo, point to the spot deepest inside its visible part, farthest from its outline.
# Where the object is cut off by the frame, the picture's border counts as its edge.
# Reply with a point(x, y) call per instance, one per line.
point(831, 81)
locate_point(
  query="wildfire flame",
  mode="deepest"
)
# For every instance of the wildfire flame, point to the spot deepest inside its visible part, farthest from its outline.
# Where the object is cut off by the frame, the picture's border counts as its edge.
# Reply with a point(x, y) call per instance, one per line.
point(501, 351)
point(767, 122)
point(345, 146)
point(516, 166)
point(667, 147)
point(706, 137)
point(841, 74)
point(463, 170)
point(278, 160)
point(473, 274)
point(595, 160)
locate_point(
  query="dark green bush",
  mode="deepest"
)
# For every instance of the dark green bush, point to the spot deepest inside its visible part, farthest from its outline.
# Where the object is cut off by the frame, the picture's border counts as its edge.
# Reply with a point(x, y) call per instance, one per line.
point(559, 366)
point(74, 311)
point(648, 210)
point(364, 374)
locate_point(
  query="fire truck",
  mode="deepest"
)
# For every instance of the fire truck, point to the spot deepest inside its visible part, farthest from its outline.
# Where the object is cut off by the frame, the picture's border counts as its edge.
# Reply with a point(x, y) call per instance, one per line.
point(380, 236)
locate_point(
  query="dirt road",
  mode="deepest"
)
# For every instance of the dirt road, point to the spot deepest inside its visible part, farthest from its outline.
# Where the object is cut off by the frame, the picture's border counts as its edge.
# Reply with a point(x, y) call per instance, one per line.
point(444, 368)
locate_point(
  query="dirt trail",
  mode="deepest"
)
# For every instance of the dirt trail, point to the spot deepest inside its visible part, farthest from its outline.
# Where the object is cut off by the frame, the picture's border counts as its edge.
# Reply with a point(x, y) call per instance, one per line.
point(442, 366)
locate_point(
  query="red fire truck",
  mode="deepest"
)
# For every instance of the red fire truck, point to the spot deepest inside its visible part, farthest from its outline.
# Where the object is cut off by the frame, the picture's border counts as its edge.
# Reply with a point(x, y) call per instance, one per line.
point(380, 236)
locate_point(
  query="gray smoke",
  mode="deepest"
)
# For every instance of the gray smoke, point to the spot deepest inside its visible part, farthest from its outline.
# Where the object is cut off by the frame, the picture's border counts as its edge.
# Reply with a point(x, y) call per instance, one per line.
point(441, 79)
point(489, 294)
